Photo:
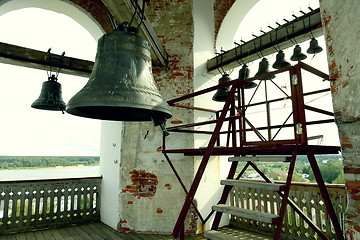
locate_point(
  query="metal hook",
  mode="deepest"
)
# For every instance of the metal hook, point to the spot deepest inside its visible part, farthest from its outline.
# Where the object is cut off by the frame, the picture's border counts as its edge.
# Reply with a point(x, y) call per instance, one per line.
point(49, 58)
point(111, 20)
point(242, 62)
point(221, 58)
point(217, 55)
point(260, 48)
point(142, 16)
point(287, 34)
point(62, 59)
point(133, 16)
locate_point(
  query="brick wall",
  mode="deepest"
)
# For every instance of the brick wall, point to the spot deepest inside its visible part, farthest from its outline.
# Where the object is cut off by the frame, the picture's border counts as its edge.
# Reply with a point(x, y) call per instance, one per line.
point(342, 49)
point(221, 7)
point(150, 195)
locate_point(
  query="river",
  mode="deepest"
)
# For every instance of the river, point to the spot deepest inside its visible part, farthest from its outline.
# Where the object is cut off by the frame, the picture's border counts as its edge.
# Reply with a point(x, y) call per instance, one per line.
point(49, 173)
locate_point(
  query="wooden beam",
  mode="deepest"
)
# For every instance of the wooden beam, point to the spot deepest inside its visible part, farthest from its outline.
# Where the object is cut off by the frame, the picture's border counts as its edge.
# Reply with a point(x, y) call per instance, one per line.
point(26, 57)
point(123, 10)
point(298, 29)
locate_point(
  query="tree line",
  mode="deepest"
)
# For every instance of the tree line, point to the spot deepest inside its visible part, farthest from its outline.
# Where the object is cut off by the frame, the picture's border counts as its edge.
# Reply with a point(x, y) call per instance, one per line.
point(17, 162)
point(330, 166)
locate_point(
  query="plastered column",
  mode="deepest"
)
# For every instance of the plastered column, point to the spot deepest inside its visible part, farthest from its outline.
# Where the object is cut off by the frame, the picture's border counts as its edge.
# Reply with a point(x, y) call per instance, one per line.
point(342, 35)
point(150, 195)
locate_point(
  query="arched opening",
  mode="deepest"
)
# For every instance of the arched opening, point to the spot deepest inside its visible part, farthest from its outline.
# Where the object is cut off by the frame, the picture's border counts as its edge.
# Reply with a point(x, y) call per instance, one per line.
point(258, 17)
point(31, 132)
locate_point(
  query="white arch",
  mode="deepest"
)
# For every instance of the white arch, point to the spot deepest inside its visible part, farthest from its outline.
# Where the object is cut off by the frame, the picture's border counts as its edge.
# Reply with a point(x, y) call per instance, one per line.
point(67, 8)
point(231, 23)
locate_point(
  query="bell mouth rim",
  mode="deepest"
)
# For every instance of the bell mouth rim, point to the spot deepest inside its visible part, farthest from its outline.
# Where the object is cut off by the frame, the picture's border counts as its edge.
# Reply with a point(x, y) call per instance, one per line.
point(119, 113)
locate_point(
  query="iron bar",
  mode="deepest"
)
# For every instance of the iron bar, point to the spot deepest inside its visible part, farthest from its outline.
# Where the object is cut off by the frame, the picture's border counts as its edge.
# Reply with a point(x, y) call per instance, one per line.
point(325, 194)
point(292, 125)
point(281, 99)
point(195, 108)
point(262, 138)
point(233, 124)
point(300, 105)
point(257, 87)
point(286, 195)
point(282, 126)
point(267, 112)
point(203, 163)
point(183, 186)
point(313, 70)
point(200, 123)
point(314, 109)
point(280, 89)
point(191, 131)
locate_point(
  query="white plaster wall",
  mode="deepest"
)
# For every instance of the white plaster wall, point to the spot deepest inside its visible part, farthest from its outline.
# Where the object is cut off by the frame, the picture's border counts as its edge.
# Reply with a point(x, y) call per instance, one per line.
point(57, 6)
point(209, 191)
point(110, 158)
point(231, 23)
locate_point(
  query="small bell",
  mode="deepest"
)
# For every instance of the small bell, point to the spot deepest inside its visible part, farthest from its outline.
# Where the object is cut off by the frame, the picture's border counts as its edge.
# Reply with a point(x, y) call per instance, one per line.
point(264, 68)
point(222, 94)
point(244, 73)
point(50, 96)
point(297, 54)
point(314, 47)
point(280, 61)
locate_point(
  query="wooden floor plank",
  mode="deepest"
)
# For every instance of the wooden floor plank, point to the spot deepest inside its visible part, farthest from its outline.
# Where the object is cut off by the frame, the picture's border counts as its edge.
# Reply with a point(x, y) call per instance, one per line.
point(39, 235)
point(30, 236)
point(48, 235)
point(11, 237)
point(82, 233)
point(107, 233)
point(91, 231)
point(94, 235)
point(56, 234)
point(20, 236)
point(65, 234)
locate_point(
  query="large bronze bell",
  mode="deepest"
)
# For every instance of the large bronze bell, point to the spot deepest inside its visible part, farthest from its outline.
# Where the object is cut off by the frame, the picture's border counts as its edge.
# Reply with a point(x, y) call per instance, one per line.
point(280, 61)
point(121, 86)
point(297, 54)
point(222, 94)
point(314, 47)
point(50, 96)
point(264, 68)
point(244, 74)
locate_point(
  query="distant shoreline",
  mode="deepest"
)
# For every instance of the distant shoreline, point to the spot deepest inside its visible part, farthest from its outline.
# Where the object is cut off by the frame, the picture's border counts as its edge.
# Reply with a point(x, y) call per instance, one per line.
point(57, 167)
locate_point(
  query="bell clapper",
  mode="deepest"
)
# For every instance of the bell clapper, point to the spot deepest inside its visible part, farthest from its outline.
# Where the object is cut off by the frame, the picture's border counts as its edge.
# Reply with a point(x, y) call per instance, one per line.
point(165, 131)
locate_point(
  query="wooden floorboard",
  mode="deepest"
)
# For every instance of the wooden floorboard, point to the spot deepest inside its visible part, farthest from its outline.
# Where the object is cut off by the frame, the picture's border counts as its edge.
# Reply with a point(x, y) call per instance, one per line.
point(91, 231)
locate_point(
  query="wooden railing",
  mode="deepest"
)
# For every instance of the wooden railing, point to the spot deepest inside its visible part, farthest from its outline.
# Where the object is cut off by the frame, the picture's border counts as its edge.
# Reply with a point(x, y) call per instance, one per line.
point(306, 196)
point(35, 204)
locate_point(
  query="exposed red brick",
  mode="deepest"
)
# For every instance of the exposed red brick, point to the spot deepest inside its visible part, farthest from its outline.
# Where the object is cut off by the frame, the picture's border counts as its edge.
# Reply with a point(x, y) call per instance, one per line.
point(143, 184)
point(344, 146)
point(356, 197)
point(350, 216)
point(176, 122)
point(97, 10)
point(221, 8)
point(168, 186)
point(326, 18)
point(352, 170)
point(353, 190)
point(159, 210)
point(352, 184)
point(130, 202)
